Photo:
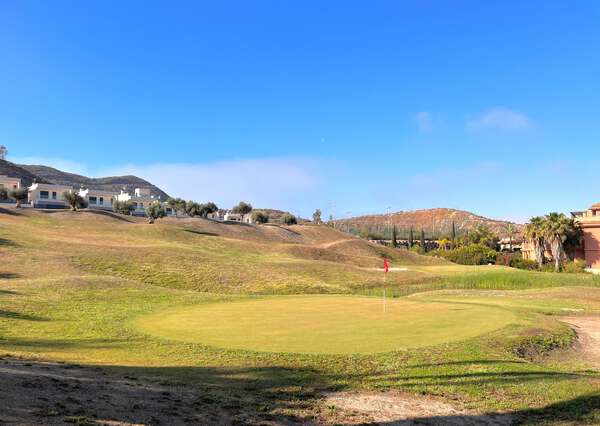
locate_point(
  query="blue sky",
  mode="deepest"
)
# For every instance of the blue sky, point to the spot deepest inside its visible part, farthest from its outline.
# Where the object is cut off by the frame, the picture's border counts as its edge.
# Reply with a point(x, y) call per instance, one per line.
point(352, 107)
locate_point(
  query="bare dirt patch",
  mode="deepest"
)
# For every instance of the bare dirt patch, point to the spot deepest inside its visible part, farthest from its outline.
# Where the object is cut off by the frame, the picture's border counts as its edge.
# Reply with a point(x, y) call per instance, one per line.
point(403, 409)
point(45, 393)
point(588, 336)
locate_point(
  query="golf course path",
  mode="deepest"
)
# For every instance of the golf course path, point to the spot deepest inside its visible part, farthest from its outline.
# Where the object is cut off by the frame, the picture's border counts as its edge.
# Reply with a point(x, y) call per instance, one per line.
point(588, 334)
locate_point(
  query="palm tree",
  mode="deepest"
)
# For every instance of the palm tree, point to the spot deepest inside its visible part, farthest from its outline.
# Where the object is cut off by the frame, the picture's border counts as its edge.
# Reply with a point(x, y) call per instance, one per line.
point(19, 195)
point(74, 200)
point(556, 229)
point(534, 233)
point(510, 229)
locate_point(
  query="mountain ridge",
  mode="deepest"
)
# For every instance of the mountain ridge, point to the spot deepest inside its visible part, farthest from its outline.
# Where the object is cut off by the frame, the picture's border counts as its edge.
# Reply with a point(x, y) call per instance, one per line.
point(435, 221)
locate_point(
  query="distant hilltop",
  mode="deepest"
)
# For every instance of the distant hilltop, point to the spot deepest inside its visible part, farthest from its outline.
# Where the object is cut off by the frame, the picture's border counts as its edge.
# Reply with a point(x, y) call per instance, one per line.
point(44, 174)
point(435, 222)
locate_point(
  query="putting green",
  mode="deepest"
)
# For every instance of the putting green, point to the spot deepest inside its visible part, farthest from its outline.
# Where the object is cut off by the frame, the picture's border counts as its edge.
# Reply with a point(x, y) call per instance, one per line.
point(324, 324)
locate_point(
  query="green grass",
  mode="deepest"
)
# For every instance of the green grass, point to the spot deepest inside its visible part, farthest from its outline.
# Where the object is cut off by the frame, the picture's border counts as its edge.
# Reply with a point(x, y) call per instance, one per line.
point(484, 278)
point(75, 290)
point(325, 324)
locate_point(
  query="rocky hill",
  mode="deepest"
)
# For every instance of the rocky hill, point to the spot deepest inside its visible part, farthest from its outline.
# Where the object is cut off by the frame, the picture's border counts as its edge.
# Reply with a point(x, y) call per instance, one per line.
point(10, 169)
point(112, 183)
point(435, 222)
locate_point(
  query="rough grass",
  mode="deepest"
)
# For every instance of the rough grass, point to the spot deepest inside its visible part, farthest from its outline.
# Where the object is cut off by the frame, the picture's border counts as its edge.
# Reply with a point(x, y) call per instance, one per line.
point(72, 286)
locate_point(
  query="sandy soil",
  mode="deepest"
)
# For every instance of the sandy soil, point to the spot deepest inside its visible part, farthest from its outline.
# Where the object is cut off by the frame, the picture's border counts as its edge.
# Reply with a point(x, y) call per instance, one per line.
point(588, 335)
point(404, 410)
point(48, 393)
point(43, 393)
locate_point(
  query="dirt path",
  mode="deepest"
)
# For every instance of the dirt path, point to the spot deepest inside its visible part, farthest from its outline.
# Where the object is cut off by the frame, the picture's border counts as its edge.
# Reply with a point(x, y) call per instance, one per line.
point(588, 334)
point(404, 410)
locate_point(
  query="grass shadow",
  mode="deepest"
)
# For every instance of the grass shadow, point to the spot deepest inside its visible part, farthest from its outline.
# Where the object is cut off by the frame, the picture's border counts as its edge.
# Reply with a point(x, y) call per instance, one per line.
point(41, 345)
point(9, 212)
point(7, 242)
point(20, 316)
point(110, 214)
point(210, 234)
point(8, 276)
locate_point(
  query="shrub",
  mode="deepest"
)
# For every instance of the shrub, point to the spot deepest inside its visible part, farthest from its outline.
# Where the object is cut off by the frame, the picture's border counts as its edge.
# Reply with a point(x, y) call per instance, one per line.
point(575, 267)
point(242, 208)
point(209, 208)
point(74, 200)
point(289, 219)
point(259, 217)
point(473, 254)
point(19, 195)
point(419, 250)
point(520, 263)
point(123, 207)
point(155, 211)
point(515, 260)
point(193, 209)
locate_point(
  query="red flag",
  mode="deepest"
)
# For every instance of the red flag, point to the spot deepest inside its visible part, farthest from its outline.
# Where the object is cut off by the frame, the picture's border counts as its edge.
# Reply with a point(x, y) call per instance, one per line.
point(386, 266)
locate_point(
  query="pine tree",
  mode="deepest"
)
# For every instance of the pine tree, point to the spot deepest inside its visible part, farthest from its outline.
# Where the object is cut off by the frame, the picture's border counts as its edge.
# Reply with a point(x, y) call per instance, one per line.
point(411, 238)
point(394, 238)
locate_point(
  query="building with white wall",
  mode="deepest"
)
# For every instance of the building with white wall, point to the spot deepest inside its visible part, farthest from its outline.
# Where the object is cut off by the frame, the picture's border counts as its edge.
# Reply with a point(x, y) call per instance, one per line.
point(9, 183)
point(140, 199)
point(236, 217)
point(97, 199)
point(48, 196)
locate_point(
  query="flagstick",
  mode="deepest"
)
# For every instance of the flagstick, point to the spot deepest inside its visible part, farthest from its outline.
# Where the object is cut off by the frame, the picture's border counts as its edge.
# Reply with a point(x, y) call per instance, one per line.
point(384, 298)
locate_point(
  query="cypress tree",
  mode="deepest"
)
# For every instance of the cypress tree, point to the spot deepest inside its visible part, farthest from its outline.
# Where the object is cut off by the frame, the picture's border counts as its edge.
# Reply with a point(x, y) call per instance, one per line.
point(411, 238)
point(453, 236)
point(394, 239)
point(423, 240)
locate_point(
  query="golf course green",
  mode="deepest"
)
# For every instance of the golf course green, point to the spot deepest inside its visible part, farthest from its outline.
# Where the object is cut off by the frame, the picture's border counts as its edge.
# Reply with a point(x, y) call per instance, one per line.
point(324, 324)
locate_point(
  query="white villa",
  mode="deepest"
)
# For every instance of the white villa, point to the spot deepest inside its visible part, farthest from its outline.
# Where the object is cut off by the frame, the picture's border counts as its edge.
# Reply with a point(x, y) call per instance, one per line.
point(47, 196)
point(9, 183)
point(236, 217)
point(97, 199)
point(141, 199)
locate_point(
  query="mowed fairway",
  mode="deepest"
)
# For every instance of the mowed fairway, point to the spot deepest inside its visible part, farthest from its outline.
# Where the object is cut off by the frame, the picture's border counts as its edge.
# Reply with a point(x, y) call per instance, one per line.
point(325, 324)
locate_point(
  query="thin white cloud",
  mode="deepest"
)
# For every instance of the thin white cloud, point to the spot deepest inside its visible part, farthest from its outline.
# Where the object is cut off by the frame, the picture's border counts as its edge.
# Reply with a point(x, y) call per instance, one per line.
point(58, 163)
point(424, 121)
point(499, 119)
point(266, 182)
